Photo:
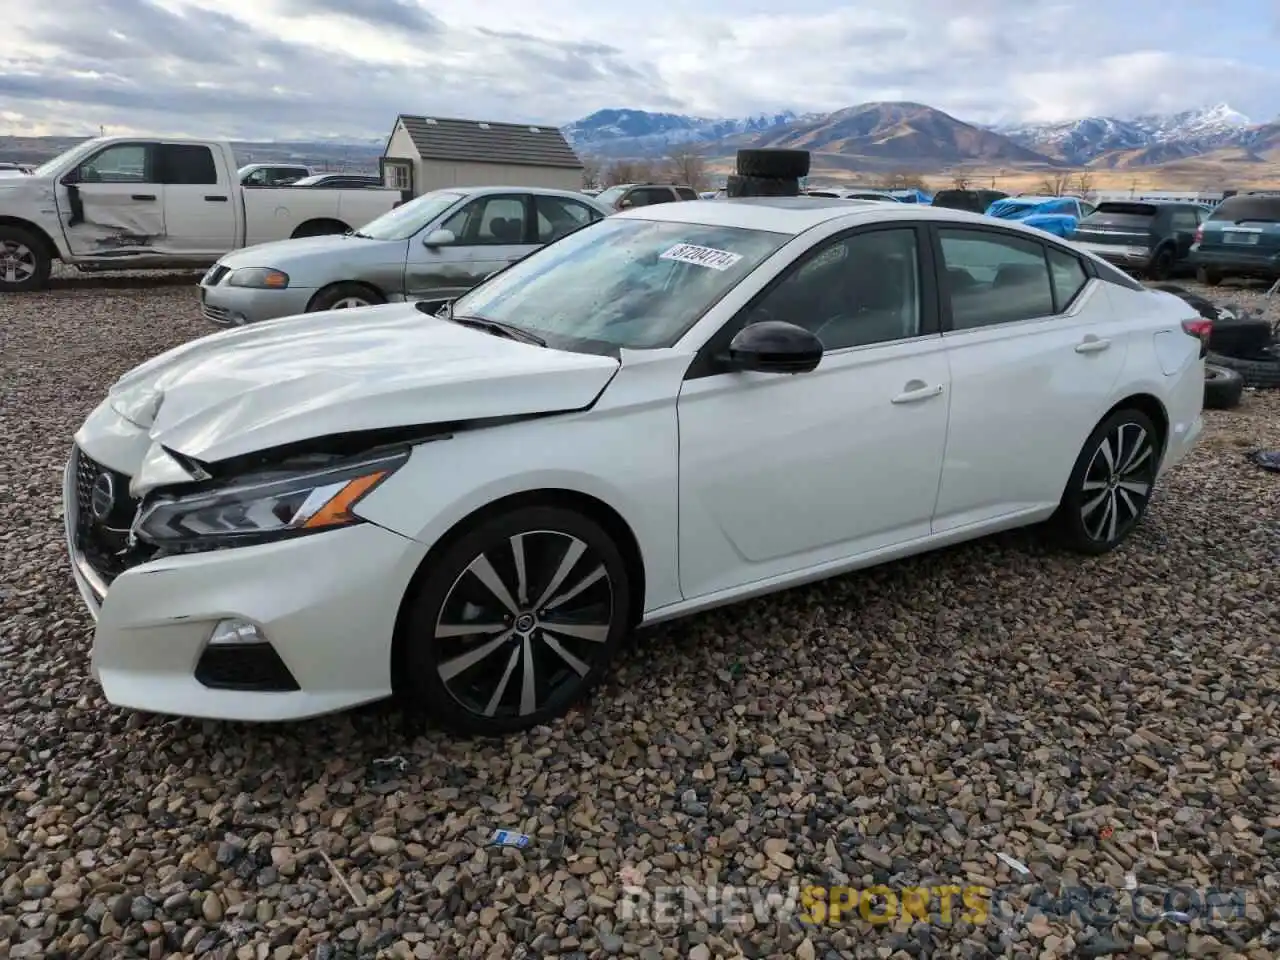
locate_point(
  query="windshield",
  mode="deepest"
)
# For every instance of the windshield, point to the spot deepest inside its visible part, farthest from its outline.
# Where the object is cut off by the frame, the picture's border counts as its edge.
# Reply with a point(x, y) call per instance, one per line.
point(51, 167)
point(404, 221)
point(611, 195)
point(621, 283)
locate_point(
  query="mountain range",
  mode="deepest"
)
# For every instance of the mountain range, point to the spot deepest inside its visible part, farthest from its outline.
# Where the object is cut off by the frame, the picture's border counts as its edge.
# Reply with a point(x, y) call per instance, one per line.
point(884, 135)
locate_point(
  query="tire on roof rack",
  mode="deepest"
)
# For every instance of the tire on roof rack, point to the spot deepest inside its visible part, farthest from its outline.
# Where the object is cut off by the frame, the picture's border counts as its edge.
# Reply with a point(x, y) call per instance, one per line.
point(738, 186)
point(774, 163)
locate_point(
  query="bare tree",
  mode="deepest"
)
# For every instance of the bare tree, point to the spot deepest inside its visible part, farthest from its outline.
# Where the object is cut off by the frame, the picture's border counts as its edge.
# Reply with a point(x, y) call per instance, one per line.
point(960, 182)
point(592, 171)
point(687, 167)
point(1056, 185)
point(627, 171)
point(1084, 183)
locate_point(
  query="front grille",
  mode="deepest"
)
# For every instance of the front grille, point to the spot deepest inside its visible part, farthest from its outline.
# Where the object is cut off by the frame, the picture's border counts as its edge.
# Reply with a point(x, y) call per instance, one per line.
point(104, 539)
point(215, 275)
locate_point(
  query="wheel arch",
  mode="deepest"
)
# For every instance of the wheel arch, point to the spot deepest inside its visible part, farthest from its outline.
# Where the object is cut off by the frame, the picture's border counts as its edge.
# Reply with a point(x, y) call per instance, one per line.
point(301, 229)
point(37, 231)
point(363, 284)
point(595, 508)
point(1151, 406)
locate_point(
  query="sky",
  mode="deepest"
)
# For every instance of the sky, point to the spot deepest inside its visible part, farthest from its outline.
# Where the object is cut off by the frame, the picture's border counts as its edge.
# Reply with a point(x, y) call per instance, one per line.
point(281, 69)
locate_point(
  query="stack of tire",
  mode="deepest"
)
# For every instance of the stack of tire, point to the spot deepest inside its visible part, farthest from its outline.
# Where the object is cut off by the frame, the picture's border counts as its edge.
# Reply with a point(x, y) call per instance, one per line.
point(1244, 350)
point(768, 173)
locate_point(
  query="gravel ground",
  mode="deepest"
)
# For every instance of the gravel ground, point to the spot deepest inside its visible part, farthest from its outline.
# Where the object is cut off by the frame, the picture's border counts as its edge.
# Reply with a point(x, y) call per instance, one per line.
point(1090, 719)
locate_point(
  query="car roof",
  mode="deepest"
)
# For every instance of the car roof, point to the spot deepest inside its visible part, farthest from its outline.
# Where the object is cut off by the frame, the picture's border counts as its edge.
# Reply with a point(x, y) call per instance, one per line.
point(795, 215)
point(540, 191)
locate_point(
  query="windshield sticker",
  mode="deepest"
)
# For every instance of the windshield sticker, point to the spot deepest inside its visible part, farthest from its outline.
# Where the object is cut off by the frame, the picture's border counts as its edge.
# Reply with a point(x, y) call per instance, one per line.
point(702, 256)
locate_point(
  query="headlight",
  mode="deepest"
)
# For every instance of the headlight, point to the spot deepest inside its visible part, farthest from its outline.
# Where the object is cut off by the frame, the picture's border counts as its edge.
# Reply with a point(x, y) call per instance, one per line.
point(265, 507)
point(264, 278)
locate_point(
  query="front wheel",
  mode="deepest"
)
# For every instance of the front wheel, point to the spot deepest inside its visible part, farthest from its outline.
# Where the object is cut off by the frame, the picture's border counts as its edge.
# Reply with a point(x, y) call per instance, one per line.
point(1111, 483)
point(24, 262)
point(515, 621)
point(345, 296)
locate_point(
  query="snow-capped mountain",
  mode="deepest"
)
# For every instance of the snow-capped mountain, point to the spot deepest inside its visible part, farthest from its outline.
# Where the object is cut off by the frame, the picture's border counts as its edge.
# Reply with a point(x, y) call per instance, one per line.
point(1188, 132)
point(641, 133)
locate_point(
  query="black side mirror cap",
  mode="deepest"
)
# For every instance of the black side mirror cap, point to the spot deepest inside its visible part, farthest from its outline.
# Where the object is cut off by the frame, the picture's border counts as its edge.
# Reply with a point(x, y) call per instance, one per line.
point(773, 346)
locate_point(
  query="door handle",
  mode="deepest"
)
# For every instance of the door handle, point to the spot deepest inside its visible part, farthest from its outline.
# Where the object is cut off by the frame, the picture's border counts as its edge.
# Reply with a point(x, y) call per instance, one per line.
point(216, 199)
point(916, 394)
point(143, 196)
point(1092, 344)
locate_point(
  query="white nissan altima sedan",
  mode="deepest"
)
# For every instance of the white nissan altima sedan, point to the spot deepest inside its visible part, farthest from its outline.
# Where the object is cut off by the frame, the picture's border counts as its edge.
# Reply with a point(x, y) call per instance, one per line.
point(674, 408)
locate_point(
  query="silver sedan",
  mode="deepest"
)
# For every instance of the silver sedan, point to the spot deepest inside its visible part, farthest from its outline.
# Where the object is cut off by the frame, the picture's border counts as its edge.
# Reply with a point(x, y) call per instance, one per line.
point(434, 248)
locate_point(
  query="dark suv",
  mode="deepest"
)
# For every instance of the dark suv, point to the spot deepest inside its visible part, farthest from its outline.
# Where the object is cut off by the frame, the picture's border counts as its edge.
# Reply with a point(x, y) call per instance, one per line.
point(1153, 238)
point(1241, 238)
point(624, 196)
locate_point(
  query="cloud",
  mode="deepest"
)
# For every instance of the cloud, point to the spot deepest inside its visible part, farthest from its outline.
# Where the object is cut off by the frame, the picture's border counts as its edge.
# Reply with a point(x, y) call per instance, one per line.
point(288, 68)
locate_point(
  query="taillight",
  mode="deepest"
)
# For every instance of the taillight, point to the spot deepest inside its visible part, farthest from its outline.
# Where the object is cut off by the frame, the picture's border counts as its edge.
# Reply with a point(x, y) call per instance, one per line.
point(1201, 329)
point(1199, 234)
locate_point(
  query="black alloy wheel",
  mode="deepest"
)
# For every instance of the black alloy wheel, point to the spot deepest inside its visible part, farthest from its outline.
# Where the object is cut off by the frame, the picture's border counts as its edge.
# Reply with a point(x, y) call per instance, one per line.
point(1111, 483)
point(516, 621)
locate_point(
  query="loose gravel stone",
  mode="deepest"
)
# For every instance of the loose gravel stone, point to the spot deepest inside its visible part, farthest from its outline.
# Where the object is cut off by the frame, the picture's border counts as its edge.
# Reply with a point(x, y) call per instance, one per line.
point(1107, 721)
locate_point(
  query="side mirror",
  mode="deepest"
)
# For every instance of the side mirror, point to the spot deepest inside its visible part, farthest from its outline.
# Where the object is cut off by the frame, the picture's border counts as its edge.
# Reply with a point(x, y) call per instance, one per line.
point(772, 346)
point(439, 238)
point(626, 203)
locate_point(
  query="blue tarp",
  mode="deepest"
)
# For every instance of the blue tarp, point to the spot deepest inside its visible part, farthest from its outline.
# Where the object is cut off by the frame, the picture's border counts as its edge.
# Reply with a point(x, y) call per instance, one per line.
point(911, 196)
point(1054, 215)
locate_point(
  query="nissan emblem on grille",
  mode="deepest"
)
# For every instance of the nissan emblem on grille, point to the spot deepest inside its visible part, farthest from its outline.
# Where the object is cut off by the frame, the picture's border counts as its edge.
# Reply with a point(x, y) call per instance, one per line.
point(102, 497)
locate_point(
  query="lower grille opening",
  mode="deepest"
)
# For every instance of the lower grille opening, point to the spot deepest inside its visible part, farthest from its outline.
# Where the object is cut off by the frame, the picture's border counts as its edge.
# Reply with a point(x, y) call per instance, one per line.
point(249, 666)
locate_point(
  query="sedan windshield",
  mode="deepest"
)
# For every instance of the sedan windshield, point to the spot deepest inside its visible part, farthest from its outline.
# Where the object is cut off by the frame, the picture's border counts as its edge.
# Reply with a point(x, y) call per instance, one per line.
point(404, 221)
point(611, 195)
point(621, 283)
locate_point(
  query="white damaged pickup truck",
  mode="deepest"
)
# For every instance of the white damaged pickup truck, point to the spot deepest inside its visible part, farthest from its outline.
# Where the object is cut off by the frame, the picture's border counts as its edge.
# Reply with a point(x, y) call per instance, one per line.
point(120, 203)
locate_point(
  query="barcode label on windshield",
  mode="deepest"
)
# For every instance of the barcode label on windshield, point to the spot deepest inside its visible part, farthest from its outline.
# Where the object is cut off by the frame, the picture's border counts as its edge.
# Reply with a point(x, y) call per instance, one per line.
point(702, 256)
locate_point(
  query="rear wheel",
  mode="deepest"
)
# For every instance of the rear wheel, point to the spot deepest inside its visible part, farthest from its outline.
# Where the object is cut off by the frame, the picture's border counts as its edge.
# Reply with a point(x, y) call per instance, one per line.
point(1111, 483)
point(515, 621)
point(345, 296)
point(1161, 266)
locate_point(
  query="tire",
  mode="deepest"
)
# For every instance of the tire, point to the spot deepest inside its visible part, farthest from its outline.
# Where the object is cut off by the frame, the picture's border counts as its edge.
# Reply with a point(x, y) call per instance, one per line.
point(1237, 336)
point(773, 164)
point(319, 228)
point(1210, 278)
point(25, 263)
point(1161, 265)
point(458, 693)
point(739, 186)
point(1223, 387)
point(1092, 495)
point(345, 296)
point(1260, 370)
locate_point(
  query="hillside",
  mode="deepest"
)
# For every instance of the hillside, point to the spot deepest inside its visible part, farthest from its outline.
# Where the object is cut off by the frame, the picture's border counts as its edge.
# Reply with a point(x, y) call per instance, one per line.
point(896, 134)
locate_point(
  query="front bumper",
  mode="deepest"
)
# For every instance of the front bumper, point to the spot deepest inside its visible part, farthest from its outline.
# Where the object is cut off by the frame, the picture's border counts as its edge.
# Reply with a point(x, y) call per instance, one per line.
point(324, 606)
point(1120, 255)
point(235, 306)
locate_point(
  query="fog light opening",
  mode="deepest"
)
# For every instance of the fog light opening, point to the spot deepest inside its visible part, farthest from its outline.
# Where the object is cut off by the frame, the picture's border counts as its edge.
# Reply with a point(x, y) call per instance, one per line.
point(228, 633)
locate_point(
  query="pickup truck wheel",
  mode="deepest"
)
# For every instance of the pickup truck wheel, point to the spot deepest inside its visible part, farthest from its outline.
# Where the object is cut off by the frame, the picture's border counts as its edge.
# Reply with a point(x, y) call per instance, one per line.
point(345, 296)
point(1210, 278)
point(24, 263)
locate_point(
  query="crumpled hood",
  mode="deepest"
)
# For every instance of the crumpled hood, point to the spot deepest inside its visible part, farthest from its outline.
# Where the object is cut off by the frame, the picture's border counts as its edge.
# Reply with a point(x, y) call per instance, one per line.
point(297, 378)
